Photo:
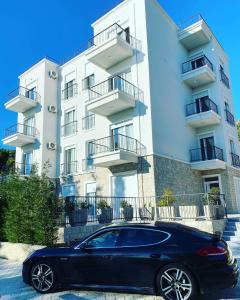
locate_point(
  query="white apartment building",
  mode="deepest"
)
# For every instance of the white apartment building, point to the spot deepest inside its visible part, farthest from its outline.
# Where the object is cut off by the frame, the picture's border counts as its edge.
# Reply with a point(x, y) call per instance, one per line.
point(148, 105)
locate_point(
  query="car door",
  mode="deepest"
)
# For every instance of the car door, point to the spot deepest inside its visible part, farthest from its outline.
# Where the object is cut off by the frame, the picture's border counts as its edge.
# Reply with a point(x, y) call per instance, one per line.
point(91, 263)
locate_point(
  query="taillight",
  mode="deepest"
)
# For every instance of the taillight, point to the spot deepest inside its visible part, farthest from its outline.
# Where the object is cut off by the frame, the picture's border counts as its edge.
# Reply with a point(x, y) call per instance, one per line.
point(211, 250)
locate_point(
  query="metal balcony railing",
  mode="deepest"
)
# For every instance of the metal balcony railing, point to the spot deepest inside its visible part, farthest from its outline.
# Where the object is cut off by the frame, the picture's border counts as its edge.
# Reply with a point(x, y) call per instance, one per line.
point(201, 105)
point(70, 91)
point(88, 122)
point(70, 128)
point(224, 79)
point(24, 168)
point(69, 168)
point(190, 21)
point(206, 153)
point(21, 129)
point(114, 143)
point(230, 118)
point(235, 160)
point(113, 84)
point(22, 91)
point(196, 63)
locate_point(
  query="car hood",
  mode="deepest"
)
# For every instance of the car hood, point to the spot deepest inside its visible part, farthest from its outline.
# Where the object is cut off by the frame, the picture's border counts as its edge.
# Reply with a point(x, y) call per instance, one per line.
point(56, 251)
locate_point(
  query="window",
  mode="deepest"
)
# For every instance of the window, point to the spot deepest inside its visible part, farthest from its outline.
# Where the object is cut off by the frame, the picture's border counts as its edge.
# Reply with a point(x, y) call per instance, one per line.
point(70, 165)
point(105, 240)
point(227, 108)
point(122, 138)
point(232, 146)
point(27, 163)
point(31, 93)
point(89, 152)
point(70, 126)
point(141, 237)
point(88, 82)
point(70, 89)
point(28, 127)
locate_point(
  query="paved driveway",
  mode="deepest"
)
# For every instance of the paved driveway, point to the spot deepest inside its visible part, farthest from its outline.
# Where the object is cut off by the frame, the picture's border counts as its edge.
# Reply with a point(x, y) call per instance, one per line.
point(12, 287)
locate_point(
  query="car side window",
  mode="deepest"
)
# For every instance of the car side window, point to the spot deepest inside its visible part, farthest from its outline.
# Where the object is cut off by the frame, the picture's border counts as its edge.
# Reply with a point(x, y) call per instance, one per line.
point(141, 237)
point(105, 240)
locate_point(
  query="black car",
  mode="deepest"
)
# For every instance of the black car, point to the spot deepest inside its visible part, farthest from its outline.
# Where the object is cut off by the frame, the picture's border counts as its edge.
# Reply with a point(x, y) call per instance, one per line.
point(175, 261)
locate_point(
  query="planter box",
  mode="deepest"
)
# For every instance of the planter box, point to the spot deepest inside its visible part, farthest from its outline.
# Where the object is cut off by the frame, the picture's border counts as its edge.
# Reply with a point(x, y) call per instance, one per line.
point(106, 216)
point(79, 217)
point(220, 211)
point(189, 211)
point(128, 213)
point(214, 211)
point(167, 212)
point(147, 213)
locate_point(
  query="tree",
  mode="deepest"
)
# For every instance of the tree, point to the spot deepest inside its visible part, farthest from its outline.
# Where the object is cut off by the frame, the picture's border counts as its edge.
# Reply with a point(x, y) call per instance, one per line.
point(7, 159)
point(238, 129)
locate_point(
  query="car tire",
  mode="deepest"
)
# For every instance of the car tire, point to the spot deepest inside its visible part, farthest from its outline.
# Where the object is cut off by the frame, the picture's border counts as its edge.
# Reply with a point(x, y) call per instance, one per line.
point(43, 277)
point(175, 282)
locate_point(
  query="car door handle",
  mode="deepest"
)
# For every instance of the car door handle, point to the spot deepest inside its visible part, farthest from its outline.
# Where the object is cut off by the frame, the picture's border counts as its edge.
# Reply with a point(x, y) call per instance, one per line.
point(155, 255)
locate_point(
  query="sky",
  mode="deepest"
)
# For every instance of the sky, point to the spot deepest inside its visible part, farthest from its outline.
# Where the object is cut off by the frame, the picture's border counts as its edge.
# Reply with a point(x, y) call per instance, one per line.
point(31, 30)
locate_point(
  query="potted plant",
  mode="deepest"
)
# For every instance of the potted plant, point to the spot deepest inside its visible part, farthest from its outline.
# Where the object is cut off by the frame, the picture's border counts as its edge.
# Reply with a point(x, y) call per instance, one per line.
point(69, 209)
point(166, 208)
point(80, 215)
point(212, 206)
point(106, 215)
point(127, 210)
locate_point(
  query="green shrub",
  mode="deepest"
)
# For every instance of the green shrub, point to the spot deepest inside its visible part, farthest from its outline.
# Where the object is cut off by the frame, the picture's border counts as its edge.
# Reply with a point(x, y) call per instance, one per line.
point(102, 204)
point(125, 204)
point(167, 198)
point(213, 197)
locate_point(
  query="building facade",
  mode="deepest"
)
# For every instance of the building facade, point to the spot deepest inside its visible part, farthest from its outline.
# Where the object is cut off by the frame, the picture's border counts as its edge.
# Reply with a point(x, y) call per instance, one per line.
point(148, 105)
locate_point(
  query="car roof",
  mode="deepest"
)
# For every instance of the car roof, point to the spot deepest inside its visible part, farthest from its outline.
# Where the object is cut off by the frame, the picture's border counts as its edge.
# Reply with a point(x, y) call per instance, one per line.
point(156, 225)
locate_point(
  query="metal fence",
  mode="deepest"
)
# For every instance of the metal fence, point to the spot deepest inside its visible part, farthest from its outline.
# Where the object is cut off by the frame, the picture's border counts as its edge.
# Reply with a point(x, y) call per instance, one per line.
point(196, 63)
point(22, 91)
point(201, 105)
point(79, 211)
point(21, 129)
point(206, 153)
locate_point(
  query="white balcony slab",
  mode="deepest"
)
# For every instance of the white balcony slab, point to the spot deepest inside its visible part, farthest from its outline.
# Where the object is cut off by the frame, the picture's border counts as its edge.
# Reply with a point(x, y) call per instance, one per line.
point(195, 35)
point(111, 103)
point(20, 104)
point(209, 165)
point(110, 53)
point(203, 119)
point(199, 76)
point(114, 158)
point(18, 140)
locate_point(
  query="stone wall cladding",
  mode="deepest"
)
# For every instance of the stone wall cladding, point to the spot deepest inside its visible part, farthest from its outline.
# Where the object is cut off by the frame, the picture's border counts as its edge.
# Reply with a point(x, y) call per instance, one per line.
point(76, 233)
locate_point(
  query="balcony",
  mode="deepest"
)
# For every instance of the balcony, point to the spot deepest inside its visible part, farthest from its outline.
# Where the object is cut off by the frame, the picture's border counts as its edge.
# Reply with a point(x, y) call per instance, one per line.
point(207, 158)
point(19, 135)
point(110, 47)
point(70, 92)
point(224, 78)
point(69, 168)
point(22, 99)
point(88, 122)
point(69, 129)
point(235, 160)
point(112, 96)
point(198, 71)
point(115, 150)
point(194, 33)
point(230, 118)
point(24, 169)
point(202, 112)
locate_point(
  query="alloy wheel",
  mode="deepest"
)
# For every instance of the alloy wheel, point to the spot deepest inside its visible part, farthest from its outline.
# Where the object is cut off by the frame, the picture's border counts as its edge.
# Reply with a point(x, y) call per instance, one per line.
point(176, 284)
point(42, 277)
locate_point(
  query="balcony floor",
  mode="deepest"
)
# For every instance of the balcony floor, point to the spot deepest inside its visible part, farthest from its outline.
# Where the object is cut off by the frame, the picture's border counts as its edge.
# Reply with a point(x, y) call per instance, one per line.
point(18, 140)
point(198, 77)
point(203, 119)
point(209, 165)
point(110, 159)
point(20, 104)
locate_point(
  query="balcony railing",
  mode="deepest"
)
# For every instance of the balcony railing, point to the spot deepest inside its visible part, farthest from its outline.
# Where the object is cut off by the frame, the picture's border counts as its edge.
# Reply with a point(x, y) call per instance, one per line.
point(114, 143)
point(190, 21)
point(196, 63)
point(206, 153)
point(69, 129)
point(24, 168)
point(112, 84)
point(69, 168)
point(200, 106)
point(21, 129)
point(235, 160)
point(230, 118)
point(224, 79)
point(88, 122)
point(70, 92)
point(22, 91)
point(88, 165)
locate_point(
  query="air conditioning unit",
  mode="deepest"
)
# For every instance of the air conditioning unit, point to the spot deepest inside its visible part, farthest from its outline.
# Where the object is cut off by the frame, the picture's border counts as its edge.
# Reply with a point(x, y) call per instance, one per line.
point(53, 74)
point(51, 146)
point(52, 109)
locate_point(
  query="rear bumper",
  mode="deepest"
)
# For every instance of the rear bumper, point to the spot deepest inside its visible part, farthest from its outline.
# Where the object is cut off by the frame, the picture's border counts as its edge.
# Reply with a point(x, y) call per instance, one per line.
point(220, 278)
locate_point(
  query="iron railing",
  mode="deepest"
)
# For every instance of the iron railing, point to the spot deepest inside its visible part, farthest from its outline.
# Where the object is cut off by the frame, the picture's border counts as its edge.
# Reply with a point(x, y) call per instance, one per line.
point(113, 84)
point(201, 105)
point(88, 122)
point(224, 79)
point(111, 32)
point(70, 91)
point(235, 160)
point(22, 91)
point(24, 168)
point(196, 63)
point(69, 168)
point(22, 129)
point(230, 118)
point(206, 153)
point(114, 143)
point(70, 128)
point(190, 21)
point(88, 165)
point(143, 209)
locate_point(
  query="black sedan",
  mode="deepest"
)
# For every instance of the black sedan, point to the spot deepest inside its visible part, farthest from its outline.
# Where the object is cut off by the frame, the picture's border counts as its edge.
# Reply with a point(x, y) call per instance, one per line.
point(169, 259)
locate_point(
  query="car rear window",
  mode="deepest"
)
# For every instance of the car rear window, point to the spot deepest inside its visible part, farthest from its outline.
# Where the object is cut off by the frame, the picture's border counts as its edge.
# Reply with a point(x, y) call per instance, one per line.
point(134, 237)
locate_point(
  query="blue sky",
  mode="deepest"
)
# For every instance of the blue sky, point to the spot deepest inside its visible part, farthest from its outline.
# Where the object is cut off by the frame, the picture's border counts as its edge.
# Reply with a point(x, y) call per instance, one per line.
point(30, 30)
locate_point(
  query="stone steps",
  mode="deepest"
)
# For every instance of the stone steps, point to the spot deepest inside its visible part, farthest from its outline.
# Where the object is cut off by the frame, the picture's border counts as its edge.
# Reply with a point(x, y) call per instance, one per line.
point(231, 232)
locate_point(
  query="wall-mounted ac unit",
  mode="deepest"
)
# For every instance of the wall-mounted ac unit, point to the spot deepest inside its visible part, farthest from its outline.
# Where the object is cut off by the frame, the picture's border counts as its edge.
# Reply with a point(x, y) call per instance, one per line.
point(52, 109)
point(53, 74)
point(51, 146)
